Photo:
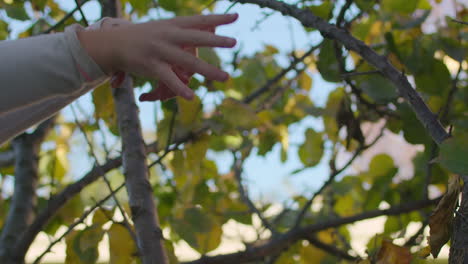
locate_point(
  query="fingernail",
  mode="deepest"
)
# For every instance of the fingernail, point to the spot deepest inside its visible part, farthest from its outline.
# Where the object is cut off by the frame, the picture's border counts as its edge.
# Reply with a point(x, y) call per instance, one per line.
point(232, 42)
point(224, 76)
point(188, 95)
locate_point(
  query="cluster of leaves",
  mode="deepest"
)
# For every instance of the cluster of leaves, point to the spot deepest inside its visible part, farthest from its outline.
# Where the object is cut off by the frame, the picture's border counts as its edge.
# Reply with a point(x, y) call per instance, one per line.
point(195, 200)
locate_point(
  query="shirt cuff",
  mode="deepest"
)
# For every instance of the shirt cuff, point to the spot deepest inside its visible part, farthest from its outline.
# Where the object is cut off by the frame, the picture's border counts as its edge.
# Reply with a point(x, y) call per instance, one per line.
point(89, 70)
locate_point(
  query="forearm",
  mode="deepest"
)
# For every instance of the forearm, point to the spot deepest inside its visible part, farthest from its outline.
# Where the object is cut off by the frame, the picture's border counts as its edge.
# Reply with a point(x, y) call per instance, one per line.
point(37, 68)
point(42, 75)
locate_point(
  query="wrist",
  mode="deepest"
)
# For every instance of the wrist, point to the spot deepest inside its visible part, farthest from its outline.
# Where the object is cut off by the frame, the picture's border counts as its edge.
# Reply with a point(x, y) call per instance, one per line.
point(100, 47)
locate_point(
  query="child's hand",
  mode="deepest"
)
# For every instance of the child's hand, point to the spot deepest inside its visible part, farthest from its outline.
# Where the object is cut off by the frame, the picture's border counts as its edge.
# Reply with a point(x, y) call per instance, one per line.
point(154, 49)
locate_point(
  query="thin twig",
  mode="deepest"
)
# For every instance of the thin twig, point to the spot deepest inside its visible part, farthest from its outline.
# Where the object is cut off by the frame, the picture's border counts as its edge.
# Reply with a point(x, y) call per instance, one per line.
point(83, 17)
point(104, 177)
point(399, 79)
point(237, 168)
point(77, 222)
point(459, 21)
point(332, 177)
point(277, 78)
point(67, 16)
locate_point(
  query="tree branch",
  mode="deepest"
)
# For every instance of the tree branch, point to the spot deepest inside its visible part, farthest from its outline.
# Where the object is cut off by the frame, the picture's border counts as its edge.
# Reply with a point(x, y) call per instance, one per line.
point(65, 18)
point(308, 19)
point(77, 222)
point(237, 168)
point(7, 158)
point(21, 212)
point(142, 206)
point(285, 240)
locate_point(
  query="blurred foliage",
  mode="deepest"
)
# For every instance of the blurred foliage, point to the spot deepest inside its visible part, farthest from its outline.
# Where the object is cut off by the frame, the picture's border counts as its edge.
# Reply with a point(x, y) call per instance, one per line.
point(195, 199)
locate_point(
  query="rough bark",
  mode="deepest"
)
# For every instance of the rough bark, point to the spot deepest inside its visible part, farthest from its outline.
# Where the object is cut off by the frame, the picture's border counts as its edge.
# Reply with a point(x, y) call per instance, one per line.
point(142, 205)
point(459, 239)
point(22, 207)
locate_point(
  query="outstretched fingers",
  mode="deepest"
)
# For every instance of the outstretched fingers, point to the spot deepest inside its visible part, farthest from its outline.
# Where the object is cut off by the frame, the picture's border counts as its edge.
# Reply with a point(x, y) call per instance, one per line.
point(168, 77)
point(200, 38)
point(204, 21)
point(190, 63)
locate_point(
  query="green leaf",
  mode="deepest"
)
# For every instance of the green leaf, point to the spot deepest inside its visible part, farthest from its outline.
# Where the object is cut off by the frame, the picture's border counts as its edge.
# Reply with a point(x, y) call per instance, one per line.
point(400, 6)
point(141, 6)
point(200, 230)
point(3, 30)
point(377, 87)
point(453, 153)
point(453, 48)
point(238, 114)
point(327, 64)
point(209, 55)
point(16, 11)
point(311, 152)
point(169, 5)
point(324, 10)
point(436, 80)
point(413, 131)
point(82, 246)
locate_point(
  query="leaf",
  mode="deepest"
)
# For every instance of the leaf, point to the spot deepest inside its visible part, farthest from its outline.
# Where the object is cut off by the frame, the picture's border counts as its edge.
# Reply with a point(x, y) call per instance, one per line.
point(237, 114)
point(141, 6)
point(377, 87)
point(413, 131)
point(324, 10)
point(169, 5)
point(401, 6)
point(390, 253)
point(104, 107)
point(3, 30)
point(453, 153)
point(209, 55)
point(16, 11)
point(200, 230)
point(82, 246)
point(189, 111)
point(72, 209)
point(311, 151)
point(122, 248)
point(327, 64)
point(305, 81)
point(102, 216)
point(436, 80)
point(441, 219)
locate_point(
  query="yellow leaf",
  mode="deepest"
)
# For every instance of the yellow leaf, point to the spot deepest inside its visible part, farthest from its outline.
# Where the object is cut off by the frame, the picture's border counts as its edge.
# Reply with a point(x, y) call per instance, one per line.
point(390, 253)
point(238, 114)
point(305, 81)
point(72, 257)
point(440, 221)
point(189, 110)
point(101, 216)
point(122, 248)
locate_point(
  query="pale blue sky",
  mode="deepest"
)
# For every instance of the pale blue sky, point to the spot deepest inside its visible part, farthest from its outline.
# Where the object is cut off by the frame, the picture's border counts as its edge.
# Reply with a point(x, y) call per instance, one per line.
point(267, 177)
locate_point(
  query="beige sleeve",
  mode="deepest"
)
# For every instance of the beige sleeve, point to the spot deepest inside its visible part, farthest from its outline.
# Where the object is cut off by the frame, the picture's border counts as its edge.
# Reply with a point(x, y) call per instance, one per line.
point(41, 75)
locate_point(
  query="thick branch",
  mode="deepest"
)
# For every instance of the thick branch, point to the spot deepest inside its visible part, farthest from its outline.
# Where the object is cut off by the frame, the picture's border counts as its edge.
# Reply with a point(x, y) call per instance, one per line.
point(283, 241)
point(308, 19)
point(21, 212)
point(141, 200)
